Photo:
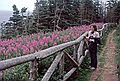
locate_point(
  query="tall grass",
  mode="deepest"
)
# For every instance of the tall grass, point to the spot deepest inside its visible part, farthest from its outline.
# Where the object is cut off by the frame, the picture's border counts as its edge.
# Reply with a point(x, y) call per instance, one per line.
point(117, 40)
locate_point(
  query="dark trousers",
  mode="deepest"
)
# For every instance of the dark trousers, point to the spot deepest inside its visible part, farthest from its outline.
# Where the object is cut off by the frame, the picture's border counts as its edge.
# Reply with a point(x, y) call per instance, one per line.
point(93, 54)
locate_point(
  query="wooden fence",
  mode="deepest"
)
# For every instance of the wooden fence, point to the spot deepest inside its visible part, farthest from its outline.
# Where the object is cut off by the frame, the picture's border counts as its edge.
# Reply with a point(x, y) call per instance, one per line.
point(76, 59)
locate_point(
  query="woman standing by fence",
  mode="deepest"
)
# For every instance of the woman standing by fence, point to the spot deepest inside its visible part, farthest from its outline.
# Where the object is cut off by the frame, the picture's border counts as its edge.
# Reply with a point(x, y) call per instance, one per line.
point(93, 39)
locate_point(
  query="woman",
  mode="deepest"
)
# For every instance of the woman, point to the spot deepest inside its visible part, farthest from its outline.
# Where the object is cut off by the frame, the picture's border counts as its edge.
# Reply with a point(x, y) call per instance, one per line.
point(93, 40)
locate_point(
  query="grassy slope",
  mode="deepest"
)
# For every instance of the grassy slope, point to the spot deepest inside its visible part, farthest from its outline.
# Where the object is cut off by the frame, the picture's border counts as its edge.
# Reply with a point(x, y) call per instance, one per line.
point(117, 40)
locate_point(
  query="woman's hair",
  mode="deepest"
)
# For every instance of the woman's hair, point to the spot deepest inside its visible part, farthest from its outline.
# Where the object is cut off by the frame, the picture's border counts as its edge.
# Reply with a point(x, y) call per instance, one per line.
point(95, 27)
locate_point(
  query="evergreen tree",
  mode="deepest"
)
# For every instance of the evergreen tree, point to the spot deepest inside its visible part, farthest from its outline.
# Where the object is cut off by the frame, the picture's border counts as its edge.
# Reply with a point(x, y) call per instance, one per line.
point(111, 4)
point(98, 11)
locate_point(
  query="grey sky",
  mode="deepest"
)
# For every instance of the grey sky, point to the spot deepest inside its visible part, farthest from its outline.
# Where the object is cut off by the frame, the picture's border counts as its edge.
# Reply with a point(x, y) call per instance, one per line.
point(6, 5)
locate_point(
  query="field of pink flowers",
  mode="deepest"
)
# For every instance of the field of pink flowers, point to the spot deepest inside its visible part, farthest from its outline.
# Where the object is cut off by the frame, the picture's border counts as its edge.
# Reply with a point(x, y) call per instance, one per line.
point(29, 44)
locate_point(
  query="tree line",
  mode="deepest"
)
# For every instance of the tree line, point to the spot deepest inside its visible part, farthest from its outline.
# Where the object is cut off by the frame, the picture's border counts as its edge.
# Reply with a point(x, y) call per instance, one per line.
point(51, 15)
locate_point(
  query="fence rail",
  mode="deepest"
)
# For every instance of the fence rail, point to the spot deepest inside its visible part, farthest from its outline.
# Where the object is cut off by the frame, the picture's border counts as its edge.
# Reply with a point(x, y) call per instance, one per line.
point(79, 53)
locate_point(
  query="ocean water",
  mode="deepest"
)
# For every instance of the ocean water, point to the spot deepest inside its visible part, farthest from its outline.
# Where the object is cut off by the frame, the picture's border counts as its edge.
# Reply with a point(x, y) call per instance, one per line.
point(4, 16)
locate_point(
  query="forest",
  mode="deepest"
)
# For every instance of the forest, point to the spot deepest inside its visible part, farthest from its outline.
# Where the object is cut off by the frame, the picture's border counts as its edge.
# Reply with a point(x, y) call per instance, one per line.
point(52, 15)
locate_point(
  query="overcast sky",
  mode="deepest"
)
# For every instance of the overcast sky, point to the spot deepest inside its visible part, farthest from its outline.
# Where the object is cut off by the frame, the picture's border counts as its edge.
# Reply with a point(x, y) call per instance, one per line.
point(7, 4)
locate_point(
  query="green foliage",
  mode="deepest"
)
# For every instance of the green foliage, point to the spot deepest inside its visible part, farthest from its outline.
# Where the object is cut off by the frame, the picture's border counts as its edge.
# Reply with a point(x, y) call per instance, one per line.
point(84, 70)
point(23, 10)
point(16, 17)
point(18, 73)
point(113, 10)
point(55, 14)
point(15, 25)
point(117, 40)
point(60, 14)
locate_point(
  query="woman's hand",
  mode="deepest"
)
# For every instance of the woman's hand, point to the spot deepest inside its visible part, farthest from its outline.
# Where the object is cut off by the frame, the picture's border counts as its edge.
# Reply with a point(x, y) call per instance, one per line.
point(86, 39)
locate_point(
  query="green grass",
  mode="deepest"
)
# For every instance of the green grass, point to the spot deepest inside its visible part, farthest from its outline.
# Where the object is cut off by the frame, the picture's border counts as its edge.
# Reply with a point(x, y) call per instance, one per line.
point(84, 71)
point(117, 40)
point(101, 56)
point(18, 73)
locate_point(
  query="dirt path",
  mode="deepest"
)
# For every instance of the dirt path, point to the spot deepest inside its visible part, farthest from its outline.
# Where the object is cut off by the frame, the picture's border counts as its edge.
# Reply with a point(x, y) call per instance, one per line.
point(108, 72)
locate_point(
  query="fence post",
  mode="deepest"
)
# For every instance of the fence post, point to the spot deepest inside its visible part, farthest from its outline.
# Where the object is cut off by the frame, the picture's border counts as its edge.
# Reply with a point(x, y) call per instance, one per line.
point(80, 50)
point(33, 70)
point(61, 67)
point(75, 52)
point(1, 75)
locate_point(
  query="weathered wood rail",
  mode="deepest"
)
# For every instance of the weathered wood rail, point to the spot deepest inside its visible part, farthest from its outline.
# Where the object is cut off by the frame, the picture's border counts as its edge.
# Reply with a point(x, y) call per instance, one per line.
point(76, 59)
